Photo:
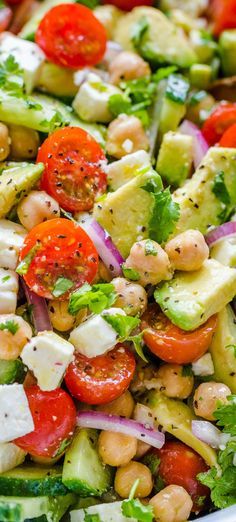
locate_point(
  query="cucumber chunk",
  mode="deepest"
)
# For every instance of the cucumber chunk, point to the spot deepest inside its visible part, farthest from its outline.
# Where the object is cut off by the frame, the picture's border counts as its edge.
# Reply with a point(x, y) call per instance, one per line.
point(12, 371)
point(39, 509)
point(32, 481)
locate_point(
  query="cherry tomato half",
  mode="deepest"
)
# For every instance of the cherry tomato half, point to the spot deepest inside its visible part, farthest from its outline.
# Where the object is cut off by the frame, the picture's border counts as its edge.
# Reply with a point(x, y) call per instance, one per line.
point(5, 18)
point(71, 36)
point(73, 172)
point(229, 137)
point(54, 417)
point(58, 249)
point(224, 15)
point(101, 379)
point(219, 121)
point(127, 5)
point(172, 344)
point(180, 465)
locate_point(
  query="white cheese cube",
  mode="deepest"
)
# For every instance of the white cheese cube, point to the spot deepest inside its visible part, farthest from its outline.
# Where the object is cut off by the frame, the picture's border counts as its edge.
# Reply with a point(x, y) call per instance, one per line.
point(121, 171)
point(106, 512)
point(15, 415)
point(28, 55)
point(11, 240)
point(92, 100)
point(47, 355)
point(10, 456)
point(203, 366)
point(8, 291)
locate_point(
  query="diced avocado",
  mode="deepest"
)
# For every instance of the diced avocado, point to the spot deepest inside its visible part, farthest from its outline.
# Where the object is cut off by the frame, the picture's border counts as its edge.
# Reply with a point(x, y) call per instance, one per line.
point(16, 182)
point(29, 29)
point(224, 251)
point(155, 37)
point(174, 103)
point(176, 418)
point(175, 158)
point(190, 298)
point(124, 170)
point(57, 81)
point(200, 199)
point(188, 6)
point(12, 371)
point(223, 349)
point(125, 213)
point(200, 75)
point(108, 15)
point(111, 512)
point(19, 509)
point(83, 471)
point(227, 48)
point(204, 45)
point(32, 481)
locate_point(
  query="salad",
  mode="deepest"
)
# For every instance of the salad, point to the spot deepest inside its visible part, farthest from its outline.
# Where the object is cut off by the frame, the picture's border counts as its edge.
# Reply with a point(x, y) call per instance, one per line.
point(117, 260)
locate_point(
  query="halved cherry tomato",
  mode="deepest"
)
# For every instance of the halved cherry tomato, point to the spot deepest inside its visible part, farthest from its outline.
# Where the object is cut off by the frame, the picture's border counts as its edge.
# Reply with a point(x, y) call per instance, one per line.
point(71, 36)
point(229, 137)
point(219, 121)
point(73, 173)
point(54, 417)
point(5, 18)
point(100, 379)
point(58, 249)
point(127, 5)
point(224, 15)
point(172, 344)
point(180, 465)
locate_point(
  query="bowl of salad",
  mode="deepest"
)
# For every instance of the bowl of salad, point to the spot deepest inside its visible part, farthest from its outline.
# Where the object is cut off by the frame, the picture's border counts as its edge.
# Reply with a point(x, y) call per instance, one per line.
point(117, 261)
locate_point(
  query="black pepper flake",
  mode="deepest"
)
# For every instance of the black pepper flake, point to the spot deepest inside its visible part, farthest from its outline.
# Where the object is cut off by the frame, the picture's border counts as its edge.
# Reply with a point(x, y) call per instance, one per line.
point(196, 205)
point(178, 250)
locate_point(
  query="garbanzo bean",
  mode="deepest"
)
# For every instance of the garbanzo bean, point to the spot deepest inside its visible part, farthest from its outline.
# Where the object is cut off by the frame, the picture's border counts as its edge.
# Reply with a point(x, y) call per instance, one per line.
point(37, 207)
point(172, 504)
point(207, 396)
point(150, 261)
point(127, 475)
point(128, 66)
point(13, 342)
point(116, 449)
point(24, 142)
point(173, 382)
point(131, 296)
point(187, 251)
point(122, 406)
point(4, 142)
point(125, 135)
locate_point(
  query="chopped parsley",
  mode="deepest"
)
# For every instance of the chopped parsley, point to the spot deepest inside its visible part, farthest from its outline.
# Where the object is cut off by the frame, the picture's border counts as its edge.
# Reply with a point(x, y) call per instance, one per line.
point(122, 324)
point(62, 285)
point(10, 325)
point(24, 265)
point(150, 249)
point(165, 214)
point(97, 298)
point(130, 273)
point(226, 416)
point(11, 77)
point(187, 370)
point(133, 508)
point(5, 279)
point(92, 518)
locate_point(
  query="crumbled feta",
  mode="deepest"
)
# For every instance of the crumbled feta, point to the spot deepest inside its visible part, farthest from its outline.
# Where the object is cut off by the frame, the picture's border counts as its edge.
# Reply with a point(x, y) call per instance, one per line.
point(15, 415)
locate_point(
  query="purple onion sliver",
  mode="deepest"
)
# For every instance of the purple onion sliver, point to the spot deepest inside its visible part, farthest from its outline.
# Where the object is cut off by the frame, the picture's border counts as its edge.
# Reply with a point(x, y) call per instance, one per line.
point(227, 229)
point(104, 421)
point(40, 310)
point(207, 432)
point(200, 145)
point(106, 249)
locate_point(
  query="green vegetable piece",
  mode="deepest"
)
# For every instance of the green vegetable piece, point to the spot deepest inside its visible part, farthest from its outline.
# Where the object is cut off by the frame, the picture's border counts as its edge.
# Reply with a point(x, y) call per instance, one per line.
point(30, 480)
point(227, 49)
point(40, 509)
point(62, 285)
point(200, 75)
point(177, 88)
point(12, 371)
point(10, 325)
point(123, 324)
point(180, 147)
point(130, 273)
point(165, 212)
point(97, 298)
point(16, 182)
point(226, 416)
point(223, 349)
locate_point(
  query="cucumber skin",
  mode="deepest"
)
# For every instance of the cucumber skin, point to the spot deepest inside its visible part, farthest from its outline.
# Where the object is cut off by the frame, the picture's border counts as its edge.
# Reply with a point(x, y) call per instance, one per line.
point(80, 488)
point(12, 371)
point(48, 486)
point(10, 512)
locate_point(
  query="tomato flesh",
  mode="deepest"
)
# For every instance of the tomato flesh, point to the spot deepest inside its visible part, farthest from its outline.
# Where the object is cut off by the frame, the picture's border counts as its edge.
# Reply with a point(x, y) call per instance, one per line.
point(5, 18)
point(229, 137)
point(101, 379)
point(172, 344)
point(224, 15)
point(58, 249)
point(218, 122)
point(130, 4)
point(71, 36)
point(54, 417)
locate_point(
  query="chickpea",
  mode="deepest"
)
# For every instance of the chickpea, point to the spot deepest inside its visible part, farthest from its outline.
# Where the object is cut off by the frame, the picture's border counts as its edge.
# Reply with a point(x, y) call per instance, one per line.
point(142, 449)
point(126, 476)
point(4, 142)
point(172, 504)
point(61, 319)
point(122, 406)
point(187, 251)
point(103, 274)
point(12, 344)
point(24, 142)
point(131, 296)
point(37, 207)
point(116, 449)
point(173, 383)
point(152, 268)
point(125, 135)
point(207, 396)
point(128, 66)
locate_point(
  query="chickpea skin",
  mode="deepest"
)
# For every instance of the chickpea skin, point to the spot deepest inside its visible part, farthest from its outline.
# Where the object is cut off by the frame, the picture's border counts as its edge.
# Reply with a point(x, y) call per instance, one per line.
point(126, 476)
point(116, 449)
point(187, 251)
point(128, 66)
point(125, 135)
point(207, 396)
point(172, 504)
point(24, 142)
point(131, 296)
point(152, 267)
point(123, 406)
point(173, 382)
point(12, 344)
point(4, 142)
point(37, 207)
point(60, 318)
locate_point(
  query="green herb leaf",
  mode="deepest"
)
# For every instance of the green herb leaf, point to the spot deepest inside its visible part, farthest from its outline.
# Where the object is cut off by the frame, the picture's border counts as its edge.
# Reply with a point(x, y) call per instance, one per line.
point(62, 285)
point(150, 248)
point(92, 518)
point(177, 88)
point(133, 508)
point(122, 324)
point(5, 278)
point(165, 214)
point(97, 298)
point(139, 30)
point(10, 325)
point(226, 416)
point(24, 265)
point(163, 73)
point(187, 370)
point(220, 190)
point(130, 273)
point(119, 103)
point(137, 340)
point(152, 461)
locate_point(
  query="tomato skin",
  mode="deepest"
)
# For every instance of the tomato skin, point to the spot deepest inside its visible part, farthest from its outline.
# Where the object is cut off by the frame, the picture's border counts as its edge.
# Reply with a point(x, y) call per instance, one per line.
point(71, 36)
point(130, 4)
point(54, 417)
point(5, 18)
point(218, 122)
point(64, 250)
point(224, 15)
point(101, 379)
point(180, 465)
point(73, 173)
point(170, 343)
point(229, 137)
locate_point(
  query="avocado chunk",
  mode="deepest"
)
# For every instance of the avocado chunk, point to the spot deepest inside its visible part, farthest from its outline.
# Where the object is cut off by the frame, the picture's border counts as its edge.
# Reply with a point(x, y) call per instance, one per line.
point(201, 201)
point(180, 147)
point(12, 371)
point(176, 418)
point(190, 298)
point(57, 81)
point(174, 103)
point(29, 29)
point(200, 75)
point(19, 509)
point(125, 213)
point(15, 182)
point(224, 251)
point(227, 48)
point(188, 6)
point(32, 481)
point(150, 32)
point(223, 348)
point(83, 471)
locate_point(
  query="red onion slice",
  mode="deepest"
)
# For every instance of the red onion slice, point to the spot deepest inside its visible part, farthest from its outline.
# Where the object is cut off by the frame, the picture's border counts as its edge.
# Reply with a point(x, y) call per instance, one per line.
point(227, 229)
point(40, 313)
point(208, 433)
point(104, 421)
point(200, 145)
point(106, 249)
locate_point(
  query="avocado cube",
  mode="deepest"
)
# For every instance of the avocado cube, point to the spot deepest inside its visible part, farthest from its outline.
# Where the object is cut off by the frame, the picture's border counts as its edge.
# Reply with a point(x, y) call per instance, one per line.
point(180, 147)
point(16, 182)
point(227, 48)
point(200, 75)
point(224, 251)
point(223, 349)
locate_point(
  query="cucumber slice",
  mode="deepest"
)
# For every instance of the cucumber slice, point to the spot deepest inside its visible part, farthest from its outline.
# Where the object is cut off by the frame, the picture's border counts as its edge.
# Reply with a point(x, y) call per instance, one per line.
point(39, 509)
point(12, 371)
point(32, 481)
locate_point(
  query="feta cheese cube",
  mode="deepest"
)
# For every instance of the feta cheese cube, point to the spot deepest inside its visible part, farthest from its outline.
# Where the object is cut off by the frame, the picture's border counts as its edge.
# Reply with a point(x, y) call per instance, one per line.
point(203, 366)
point(8, 291)
point(10, 456)
point(121, 171)
point(92, 100)
point(11, 240)
point(15, 415)
point(47, 355)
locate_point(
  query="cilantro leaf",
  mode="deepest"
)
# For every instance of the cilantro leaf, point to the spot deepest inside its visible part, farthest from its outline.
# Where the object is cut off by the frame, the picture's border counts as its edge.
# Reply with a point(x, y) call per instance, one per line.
point(133, 508)
point(165, 214)
point(90, 3)
point(92, 518)
point(122, 324)
point(150, 249)
point(226, 416)
point(137, 341)
point(24, 265)
point(187, 370)
point(220, 190)
point(130, 273)
point(119, 103)
point(163, 73)
point(97, 298)
point(10, 325)
point(61, 286)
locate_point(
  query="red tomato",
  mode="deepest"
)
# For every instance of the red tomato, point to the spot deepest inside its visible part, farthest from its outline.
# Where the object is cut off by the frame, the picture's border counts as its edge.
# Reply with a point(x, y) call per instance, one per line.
point(219, 121)
point(73, 172)
point(224, 15)
point(58, 249)
point(5, 18)
point(229, 137)
point(127, 5)
point(54, 417)
point(172, 344)
point(180, 465)
point(71, 36)
point(100, 379)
